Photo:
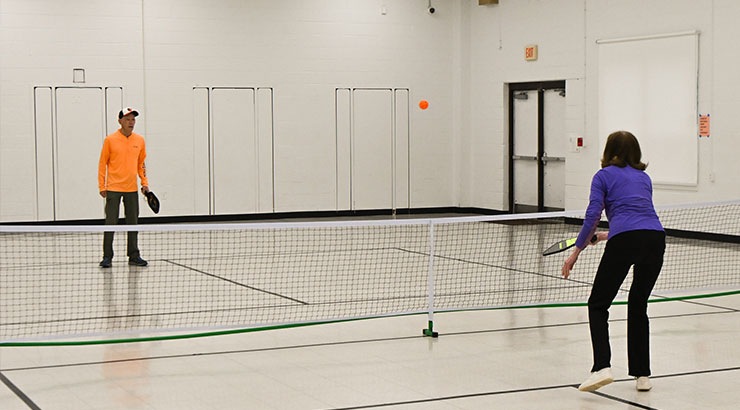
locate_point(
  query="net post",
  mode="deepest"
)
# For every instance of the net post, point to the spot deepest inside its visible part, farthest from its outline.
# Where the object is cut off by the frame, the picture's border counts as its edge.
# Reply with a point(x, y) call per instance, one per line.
point(429, 331)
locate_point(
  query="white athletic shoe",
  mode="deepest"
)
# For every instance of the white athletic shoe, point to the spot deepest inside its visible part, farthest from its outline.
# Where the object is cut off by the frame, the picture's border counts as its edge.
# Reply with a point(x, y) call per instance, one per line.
point(597, 379)
point(643, 383)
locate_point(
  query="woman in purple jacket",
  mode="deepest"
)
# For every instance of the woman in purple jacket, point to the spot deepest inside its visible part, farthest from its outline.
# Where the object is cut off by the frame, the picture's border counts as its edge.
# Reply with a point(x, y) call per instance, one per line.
point(635, 237)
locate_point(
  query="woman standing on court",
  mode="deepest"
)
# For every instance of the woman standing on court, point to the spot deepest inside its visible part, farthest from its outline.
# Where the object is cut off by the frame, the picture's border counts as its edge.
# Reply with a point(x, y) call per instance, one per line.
point(635, 237)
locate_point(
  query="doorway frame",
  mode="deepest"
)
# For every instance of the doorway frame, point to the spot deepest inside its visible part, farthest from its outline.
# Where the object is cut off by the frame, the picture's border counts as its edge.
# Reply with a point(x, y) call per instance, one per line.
point(540, 87)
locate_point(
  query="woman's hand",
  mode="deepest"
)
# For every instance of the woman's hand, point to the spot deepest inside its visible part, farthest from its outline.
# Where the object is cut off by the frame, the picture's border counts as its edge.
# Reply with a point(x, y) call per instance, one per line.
point(600, 236)
point(570, 262)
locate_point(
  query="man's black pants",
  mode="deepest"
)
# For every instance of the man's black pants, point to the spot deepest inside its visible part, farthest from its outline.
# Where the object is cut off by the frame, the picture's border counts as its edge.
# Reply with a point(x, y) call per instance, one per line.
point(131, 211)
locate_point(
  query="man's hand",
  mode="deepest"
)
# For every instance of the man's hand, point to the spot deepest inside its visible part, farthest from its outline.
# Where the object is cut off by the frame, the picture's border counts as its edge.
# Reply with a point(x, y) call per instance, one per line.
point(144, 189)
point(103, 193)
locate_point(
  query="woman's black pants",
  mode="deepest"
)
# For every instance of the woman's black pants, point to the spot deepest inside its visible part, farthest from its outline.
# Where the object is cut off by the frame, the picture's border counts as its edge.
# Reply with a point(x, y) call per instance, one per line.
point(644, 249)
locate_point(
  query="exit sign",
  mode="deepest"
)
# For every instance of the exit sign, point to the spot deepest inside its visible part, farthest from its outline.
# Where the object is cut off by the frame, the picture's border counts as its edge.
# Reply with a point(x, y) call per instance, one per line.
point(530, 53)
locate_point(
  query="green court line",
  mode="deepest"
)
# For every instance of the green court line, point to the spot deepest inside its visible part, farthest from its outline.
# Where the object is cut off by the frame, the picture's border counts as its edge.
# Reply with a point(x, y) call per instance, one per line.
point(296, 325)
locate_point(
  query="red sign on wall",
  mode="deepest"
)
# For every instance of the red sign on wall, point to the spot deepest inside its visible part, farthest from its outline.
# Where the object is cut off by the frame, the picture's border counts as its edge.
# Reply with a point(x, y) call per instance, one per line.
point(530, 53)
point(703, 125)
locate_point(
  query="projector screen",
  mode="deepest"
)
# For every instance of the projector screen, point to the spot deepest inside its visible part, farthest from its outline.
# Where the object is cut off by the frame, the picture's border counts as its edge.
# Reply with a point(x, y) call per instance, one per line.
point(648, 86)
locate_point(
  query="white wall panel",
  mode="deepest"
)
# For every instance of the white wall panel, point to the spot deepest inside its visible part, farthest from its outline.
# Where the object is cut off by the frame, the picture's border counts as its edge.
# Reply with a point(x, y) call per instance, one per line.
point(201, 183)
point(43, 118)
point(372, 149)
point(114, 104)
point(401, 149)
point(234, 155)
point(343, 115)
point(265, 149)
point(80, 131)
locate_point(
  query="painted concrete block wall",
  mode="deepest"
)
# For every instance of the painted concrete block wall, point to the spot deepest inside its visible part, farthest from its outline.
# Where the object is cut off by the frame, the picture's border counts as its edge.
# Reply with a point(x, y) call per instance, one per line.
point(459, 59)
point(40, 43)
point(158, 50)
point(606, 21)
point(566, 33)
point(498, 36)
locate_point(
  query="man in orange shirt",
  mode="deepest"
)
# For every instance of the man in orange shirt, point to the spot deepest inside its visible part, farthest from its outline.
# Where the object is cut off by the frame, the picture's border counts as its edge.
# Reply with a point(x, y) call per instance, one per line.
point(121, 159)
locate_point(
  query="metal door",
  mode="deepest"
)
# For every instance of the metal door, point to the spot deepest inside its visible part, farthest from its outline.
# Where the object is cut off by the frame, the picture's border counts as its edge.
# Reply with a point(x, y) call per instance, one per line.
point(553, 156)
point(525, 158)
point(536, 146)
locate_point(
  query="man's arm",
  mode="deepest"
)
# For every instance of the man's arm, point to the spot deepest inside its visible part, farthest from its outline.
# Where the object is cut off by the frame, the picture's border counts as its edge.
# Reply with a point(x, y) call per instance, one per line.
point(102, 167)
point(141, 168)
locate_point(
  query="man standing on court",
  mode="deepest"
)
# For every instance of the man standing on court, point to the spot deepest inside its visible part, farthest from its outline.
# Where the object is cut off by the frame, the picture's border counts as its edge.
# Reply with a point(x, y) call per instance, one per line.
point(121, 159)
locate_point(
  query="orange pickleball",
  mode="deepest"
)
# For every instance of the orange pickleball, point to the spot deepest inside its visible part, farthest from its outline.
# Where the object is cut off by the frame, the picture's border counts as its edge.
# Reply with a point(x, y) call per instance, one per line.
point(423, 104)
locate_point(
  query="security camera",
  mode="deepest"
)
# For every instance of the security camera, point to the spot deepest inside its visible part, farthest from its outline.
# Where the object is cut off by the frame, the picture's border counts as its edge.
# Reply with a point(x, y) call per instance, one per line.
point(431, 10)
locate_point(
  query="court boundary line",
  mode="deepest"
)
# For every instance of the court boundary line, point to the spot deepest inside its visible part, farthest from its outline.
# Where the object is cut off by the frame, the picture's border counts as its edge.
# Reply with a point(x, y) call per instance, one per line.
point(18, 392)
point(312, 323)
point(619, 399)
point(536, 389)
point(233, 282)
point(347, 342)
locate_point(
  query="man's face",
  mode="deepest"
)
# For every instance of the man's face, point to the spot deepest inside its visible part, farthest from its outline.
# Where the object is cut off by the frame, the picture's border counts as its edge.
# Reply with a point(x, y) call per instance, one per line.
point(127, 122)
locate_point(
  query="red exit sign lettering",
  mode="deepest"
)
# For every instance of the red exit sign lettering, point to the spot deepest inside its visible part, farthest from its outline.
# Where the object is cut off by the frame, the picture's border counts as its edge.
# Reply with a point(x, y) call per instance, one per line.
point(530, 53)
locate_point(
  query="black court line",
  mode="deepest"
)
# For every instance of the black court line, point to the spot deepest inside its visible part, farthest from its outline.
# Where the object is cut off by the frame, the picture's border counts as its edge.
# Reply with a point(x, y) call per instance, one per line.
point(693, 302)
point(360, 341)
point(203, 354)
point(144, 315)
point(621, 400)
point(294, 253)
point(577, 283)
point(488, 265)
point(534, 389)
point(453, 397)
point(280, 306)
point(237, 283)
point(210, 258)
point(18, 392)
point(408, 402)
point(695, 372)
point(491, 393)
point(580, 282)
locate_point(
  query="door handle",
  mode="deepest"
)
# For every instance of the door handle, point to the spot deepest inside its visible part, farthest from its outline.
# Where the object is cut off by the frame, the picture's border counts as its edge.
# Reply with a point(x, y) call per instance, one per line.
point(546, 158)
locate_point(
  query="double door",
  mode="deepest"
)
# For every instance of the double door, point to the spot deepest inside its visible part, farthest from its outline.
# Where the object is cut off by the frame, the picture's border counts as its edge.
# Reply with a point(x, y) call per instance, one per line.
point(537, 146)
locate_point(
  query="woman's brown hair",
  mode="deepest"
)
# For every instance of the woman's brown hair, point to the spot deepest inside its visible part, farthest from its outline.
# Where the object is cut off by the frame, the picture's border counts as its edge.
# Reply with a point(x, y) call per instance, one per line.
point(622, 149)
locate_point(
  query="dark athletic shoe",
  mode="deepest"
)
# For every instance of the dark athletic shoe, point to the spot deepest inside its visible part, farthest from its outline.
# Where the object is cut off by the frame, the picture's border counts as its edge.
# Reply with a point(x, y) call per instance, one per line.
point(137, 261)
point(106, 262)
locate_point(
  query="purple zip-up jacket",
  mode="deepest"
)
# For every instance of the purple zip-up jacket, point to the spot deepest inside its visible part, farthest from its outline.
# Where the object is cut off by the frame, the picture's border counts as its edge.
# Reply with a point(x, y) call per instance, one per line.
point(627, 195)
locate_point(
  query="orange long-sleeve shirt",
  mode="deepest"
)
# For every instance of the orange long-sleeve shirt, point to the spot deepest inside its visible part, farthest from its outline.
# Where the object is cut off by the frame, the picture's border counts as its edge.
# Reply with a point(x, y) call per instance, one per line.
point(122, 157)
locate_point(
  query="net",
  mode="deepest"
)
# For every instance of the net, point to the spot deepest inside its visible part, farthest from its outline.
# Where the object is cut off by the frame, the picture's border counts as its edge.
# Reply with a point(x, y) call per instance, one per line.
point(258, 275)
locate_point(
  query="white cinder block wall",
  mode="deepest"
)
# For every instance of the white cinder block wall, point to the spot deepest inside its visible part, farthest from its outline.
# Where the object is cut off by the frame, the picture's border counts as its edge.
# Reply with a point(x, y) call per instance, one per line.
point(566, 32)
point(158, 50)
point(459, 59)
